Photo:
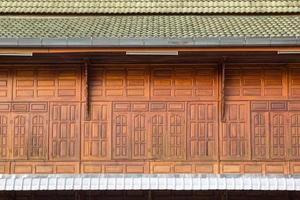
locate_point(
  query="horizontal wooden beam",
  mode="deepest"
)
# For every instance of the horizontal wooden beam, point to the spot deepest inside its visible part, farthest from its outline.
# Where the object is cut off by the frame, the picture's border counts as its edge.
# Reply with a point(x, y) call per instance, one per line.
point(179, 49)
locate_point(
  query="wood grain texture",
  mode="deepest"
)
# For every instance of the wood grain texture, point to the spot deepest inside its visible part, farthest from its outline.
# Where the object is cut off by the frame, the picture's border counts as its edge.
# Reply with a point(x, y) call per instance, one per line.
point(150, 119)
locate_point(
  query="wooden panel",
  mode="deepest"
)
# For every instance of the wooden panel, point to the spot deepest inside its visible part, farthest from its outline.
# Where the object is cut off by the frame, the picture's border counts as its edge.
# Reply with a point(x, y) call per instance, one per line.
point(158, 132)
point(294, 77)
point(150, 119)
point(260, 135)
point(139, 131)
point(44, 167)
point(277, 136)
point(96, 132)
point(47, 84)
point(202, 130)
point(175, 147)
point(124, 83)
point(121, 135)
point(183, 167)
point(183, 83)
point(176, 136)
point(38, 135)
point(20, 135)
point(29, 130)
point(5, 135)
point(64, 131)
point(130, 130)
point(235, 132)
point(5, 84)
point(249, 82)
point(294, 134)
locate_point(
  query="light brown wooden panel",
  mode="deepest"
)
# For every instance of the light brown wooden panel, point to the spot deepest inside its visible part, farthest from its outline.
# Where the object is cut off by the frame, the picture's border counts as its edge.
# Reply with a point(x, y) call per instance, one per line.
point(202, 130)
point(260, 135)
point(254, 82)
point(64, 131)
point(184, 82)
point(30, 130)
point(96, 132)
point(269, 129)
point(121, 82)
point(235, 132)
point(46, 84)
point(6, 78)
point(150, 119)
point(5, 130)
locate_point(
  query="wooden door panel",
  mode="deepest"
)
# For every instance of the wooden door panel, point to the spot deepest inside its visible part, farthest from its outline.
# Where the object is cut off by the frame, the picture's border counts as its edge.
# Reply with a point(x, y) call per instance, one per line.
point(176, 131)
point(38, 135)
point(202, 130)
point(121, 136)
point(139, 130)
point(5, 131)
point(260, 135)
point(64, 131)
point(20, 135)
point(278, 135)
point(235, 132)
point(294, 135)
point(158, 132)
point(96, 132)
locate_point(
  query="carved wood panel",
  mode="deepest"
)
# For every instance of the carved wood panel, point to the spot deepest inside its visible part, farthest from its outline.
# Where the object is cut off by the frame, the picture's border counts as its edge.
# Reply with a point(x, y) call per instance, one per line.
point(260, 135)
point(269, 129)
point(294, 130)
point(30, 130)
point(158, 131)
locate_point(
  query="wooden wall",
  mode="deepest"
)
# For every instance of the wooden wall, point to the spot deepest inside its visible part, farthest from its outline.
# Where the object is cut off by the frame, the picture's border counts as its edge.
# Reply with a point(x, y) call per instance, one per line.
point(150, 119)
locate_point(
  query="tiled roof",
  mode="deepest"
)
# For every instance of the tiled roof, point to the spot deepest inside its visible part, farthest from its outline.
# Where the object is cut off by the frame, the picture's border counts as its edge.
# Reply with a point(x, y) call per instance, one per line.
point(148, 182)
point(149, 6)
point(149, 26)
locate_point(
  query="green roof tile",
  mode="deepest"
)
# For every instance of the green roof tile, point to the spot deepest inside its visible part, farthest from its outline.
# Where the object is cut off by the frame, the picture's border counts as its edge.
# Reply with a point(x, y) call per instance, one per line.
point(149, 6)
point(149, 26)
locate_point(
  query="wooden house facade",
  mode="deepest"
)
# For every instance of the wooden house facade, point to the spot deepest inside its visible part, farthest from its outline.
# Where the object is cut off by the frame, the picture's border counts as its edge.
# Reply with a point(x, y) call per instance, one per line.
point(204, 93)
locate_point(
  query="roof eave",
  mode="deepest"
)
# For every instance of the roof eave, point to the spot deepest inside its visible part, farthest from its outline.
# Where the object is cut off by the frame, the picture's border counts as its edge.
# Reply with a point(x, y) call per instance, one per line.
point(151, 42)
